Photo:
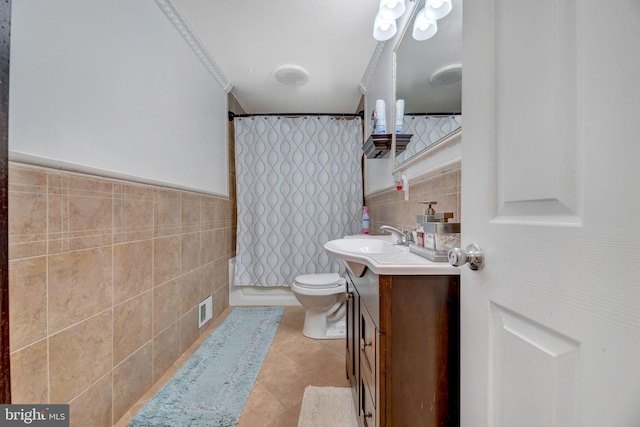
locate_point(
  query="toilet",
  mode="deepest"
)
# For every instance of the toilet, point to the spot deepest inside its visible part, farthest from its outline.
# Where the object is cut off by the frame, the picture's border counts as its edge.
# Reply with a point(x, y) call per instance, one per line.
point(323, 296)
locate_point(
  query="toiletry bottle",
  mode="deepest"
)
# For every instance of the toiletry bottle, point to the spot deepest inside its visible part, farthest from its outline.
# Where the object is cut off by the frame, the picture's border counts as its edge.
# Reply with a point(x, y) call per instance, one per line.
point(365, 220)
point(374, 121)
point(419, 231)
point(399, 115)
point(381, 125)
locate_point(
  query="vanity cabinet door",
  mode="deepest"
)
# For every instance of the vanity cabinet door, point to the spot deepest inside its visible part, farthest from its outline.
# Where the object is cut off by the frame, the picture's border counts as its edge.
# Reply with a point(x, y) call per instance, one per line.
point(420, 316)
point(403, 350)
point(369, 369)
point(368, 414)
point(368, 332)
point(353, 340)
point(353, 335)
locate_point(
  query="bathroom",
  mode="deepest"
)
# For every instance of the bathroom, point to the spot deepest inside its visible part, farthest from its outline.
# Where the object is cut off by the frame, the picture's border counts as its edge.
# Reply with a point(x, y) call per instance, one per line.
point(60, 238)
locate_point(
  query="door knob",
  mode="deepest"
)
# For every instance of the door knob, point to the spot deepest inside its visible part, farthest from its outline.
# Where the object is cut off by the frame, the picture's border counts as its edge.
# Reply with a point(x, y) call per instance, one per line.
point(472, 255)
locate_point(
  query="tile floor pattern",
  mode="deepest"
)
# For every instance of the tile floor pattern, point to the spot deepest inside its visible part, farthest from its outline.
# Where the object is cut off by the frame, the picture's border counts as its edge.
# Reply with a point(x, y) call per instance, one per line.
point(293, 362)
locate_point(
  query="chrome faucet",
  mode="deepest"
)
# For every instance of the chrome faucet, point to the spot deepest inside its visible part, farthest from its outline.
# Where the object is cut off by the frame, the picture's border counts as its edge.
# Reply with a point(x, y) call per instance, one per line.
point(404, 237)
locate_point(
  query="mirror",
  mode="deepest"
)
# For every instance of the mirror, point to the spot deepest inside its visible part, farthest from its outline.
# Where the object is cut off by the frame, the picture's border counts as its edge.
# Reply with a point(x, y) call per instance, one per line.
point(428, 78)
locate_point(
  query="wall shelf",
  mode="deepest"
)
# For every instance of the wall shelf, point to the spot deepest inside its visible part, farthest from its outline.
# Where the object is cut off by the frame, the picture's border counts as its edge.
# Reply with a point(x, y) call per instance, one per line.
point(378, 146)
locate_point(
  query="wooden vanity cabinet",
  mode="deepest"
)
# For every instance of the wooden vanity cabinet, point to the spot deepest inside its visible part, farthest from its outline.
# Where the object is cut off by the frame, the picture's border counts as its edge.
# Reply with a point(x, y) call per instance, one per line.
point(353, 335)
point(403, 349)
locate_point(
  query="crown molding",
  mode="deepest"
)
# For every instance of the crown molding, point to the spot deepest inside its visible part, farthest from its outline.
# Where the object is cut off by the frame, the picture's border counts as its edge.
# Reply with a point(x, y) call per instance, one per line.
point(175, 16)
point(371, 68)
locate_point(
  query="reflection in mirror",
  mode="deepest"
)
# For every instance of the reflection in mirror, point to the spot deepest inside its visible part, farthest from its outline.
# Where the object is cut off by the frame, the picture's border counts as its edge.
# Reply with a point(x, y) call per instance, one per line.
point(429, 80)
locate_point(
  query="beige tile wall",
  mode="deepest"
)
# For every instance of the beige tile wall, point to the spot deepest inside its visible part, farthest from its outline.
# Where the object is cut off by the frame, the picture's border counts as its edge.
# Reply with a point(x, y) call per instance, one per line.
point(390, 208)
point(105, 279)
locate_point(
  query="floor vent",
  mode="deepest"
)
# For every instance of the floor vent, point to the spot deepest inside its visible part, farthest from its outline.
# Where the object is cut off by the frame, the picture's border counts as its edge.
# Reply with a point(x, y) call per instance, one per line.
point(205, 310)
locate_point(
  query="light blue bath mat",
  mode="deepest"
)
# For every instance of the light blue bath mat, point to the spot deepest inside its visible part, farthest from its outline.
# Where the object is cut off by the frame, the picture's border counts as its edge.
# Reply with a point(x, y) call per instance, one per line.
point(212, 387)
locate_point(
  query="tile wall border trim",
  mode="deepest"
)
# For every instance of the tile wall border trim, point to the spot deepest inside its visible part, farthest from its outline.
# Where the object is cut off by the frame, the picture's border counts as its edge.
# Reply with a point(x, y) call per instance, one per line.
point(440, 170)
point(28, 160)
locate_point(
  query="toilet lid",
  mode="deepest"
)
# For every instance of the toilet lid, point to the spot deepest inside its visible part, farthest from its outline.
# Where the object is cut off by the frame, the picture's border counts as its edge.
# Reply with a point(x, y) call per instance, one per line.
point(320, 281)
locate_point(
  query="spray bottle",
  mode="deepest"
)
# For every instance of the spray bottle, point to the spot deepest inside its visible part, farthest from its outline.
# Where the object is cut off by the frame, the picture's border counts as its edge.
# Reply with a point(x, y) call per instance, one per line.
point(399, 115)
point(381, 122)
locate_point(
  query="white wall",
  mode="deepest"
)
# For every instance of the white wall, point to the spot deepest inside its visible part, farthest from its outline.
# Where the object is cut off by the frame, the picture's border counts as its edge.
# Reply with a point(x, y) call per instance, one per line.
point(112, 86)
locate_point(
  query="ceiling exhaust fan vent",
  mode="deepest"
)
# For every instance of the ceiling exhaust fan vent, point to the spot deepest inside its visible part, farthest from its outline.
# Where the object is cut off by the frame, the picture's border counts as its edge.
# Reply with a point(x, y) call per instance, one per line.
point(291, 75)
point(447, 75)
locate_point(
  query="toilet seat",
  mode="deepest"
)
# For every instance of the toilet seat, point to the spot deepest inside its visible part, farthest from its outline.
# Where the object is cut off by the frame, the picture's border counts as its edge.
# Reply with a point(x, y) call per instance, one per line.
point(320, 281)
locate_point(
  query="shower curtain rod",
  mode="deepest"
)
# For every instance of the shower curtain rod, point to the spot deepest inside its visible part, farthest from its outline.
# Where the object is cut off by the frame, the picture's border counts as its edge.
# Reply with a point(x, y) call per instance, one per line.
point(233, 115)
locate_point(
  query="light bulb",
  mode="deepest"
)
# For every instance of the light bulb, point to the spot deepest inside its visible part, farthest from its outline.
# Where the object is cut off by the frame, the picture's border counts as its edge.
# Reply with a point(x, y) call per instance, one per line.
point(437, 9)
point(391, 9)
point(384, 29)
point(423, 27)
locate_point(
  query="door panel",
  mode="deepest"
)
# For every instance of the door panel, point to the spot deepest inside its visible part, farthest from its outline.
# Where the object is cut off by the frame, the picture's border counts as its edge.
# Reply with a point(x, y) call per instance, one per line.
point(550, 178)
point(532, 354)
point(535, 110)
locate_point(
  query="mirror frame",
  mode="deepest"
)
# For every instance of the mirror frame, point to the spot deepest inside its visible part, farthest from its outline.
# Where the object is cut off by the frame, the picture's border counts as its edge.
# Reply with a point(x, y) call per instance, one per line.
point(452, 139)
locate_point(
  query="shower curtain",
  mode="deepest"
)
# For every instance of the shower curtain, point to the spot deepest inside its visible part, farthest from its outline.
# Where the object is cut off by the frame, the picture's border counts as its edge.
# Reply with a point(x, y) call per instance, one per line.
point(426, 130)
point(298, 185)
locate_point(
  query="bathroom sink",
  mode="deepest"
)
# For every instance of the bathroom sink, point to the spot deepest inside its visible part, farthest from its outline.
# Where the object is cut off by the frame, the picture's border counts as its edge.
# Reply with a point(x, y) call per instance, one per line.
point(382, 256)
point(363, 246)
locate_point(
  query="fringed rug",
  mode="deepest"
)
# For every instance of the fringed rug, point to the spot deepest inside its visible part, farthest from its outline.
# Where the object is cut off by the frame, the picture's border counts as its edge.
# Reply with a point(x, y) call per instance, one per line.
point(327, 407)
point(212, 387)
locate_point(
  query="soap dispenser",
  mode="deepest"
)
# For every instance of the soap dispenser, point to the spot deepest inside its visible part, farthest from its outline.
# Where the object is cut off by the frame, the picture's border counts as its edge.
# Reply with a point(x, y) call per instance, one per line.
point(430, 210)
point(430, 214)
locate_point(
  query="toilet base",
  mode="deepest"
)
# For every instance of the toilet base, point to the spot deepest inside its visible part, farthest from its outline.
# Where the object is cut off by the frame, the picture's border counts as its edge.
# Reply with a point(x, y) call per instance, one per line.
point(318, 327)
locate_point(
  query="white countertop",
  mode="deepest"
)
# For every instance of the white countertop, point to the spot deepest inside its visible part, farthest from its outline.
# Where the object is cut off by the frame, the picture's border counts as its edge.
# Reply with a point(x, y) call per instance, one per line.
point(397, 262)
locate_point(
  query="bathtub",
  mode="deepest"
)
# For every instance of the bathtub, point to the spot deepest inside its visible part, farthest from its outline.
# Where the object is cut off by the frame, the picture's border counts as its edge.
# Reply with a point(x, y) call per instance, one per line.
point(258, 295)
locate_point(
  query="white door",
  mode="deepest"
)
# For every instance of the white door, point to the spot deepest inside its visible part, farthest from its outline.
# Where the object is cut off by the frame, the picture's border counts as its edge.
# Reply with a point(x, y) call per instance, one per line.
point(551, 193)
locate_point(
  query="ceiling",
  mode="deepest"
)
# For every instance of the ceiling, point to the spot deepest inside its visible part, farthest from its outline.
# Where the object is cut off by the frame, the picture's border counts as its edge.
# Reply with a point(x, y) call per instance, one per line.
point(249, 39)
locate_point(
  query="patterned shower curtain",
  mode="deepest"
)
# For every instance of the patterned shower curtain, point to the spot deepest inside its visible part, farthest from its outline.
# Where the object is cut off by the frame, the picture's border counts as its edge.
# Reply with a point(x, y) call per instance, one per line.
point(298, 185)
point(426, 130)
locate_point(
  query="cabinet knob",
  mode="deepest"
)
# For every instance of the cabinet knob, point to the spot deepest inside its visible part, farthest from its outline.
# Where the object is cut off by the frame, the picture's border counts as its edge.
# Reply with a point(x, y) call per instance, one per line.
point(349, 295)
point(364, 344)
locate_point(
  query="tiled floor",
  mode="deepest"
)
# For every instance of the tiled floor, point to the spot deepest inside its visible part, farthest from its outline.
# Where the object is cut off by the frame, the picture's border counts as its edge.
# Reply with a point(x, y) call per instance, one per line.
point(293, 362)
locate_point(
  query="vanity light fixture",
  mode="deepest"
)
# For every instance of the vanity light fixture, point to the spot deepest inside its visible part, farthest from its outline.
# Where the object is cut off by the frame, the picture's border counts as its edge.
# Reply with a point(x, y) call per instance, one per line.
point(391, 9)
point(423, 27)
point(437, 9)
point(383, 28)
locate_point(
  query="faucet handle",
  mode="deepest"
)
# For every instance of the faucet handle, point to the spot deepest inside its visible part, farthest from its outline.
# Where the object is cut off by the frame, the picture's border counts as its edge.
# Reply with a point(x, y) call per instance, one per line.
point(408, 236)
